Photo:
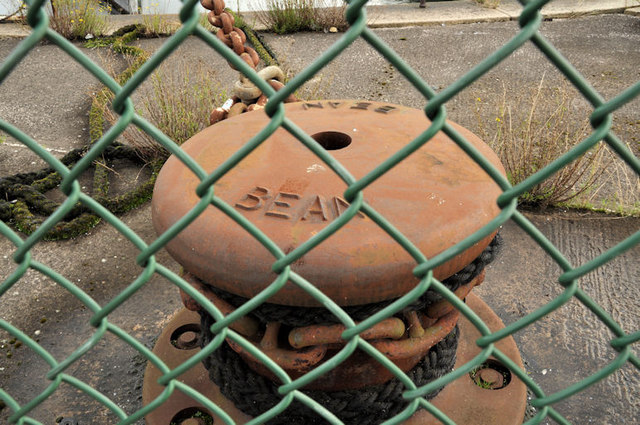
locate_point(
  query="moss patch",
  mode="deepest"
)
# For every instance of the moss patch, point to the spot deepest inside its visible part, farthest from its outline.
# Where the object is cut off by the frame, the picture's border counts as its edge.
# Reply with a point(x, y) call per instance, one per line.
point(24, 204)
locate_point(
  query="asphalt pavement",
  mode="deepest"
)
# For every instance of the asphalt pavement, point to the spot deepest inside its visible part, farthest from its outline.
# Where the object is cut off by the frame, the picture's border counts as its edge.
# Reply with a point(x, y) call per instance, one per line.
point(48, 95)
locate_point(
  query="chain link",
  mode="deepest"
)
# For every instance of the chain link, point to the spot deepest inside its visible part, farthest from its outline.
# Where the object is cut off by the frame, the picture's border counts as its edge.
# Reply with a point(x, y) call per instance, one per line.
point(247, 96)
point(229, 42)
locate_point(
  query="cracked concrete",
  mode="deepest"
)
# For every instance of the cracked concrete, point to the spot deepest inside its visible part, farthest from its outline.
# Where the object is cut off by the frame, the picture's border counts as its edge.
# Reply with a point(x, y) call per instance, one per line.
point(559, 350)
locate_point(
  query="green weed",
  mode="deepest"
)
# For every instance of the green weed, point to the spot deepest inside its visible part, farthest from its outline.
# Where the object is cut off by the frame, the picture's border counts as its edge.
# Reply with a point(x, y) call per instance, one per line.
point(75, 19)
point(529, 132)
point(156, 23)
point(178, 101)
point(288, 16)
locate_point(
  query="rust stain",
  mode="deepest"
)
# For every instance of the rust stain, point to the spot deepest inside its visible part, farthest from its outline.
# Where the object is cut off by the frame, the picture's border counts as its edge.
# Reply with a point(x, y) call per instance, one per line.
point(436, 197)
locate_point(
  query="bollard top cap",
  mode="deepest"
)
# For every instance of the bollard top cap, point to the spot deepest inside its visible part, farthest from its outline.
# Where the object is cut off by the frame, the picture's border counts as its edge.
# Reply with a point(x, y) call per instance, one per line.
point(436, 197)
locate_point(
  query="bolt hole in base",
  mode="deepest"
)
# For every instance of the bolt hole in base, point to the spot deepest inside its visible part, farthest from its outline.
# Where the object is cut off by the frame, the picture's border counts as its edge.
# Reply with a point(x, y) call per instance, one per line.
point(506, 407)
point(332, 140)
point(192, 416)
point(491, 375)
point(186, 337)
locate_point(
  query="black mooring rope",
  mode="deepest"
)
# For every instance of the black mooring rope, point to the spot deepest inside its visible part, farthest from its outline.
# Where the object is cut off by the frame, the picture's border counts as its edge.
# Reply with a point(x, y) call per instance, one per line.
point(306, 316)
point(254, 394)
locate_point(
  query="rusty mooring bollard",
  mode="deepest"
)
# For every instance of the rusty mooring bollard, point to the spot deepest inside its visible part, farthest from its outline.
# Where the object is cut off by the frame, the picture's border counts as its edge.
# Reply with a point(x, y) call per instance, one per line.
point(436, 197)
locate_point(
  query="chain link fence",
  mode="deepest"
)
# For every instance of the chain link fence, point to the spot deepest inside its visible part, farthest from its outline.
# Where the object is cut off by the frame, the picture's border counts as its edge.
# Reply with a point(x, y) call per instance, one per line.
point(529, 21)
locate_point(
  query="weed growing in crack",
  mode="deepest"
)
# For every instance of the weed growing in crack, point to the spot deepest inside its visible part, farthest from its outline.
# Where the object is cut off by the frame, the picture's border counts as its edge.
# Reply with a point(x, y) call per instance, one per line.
point(288, 16)
point(178, 101)
point(75, 19)
point(528, 132)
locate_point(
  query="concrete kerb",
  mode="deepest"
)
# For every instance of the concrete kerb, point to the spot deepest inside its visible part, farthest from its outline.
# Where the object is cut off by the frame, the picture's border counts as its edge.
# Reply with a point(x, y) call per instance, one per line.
point(570, 8)
point(519, 282)
point(408, 14)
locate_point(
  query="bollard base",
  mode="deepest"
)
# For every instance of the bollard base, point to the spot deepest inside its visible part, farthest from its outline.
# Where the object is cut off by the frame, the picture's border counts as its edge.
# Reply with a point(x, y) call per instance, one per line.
point(493, 396)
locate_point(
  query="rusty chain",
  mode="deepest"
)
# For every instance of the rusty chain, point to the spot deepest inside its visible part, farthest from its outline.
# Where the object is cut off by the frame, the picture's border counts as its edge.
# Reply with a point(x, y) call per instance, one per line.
point(395, 337)
point(247, 96)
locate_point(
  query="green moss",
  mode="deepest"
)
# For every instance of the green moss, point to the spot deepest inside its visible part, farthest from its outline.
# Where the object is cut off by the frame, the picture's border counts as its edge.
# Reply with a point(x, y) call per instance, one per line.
point(262, 49)
point(24, 220)
point(32, 207)
point(76, 227)
point(100, 182)
point(49, 182)
point(96, 116)
point(6, 211)
point(99, 42)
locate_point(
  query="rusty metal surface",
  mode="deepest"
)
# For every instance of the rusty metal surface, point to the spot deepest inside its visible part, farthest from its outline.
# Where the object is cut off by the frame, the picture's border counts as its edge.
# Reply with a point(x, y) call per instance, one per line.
point(310, 346)
point(332, 334)
point(197, 378)
point(359, 370)
point(442, 307)
point(246, 325)
point(419, 346)
point(436, 197)
point(462, 400)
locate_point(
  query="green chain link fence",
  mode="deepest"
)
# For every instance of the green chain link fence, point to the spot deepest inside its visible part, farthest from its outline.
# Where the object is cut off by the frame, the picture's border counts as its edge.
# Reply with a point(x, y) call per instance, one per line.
point(529, 21)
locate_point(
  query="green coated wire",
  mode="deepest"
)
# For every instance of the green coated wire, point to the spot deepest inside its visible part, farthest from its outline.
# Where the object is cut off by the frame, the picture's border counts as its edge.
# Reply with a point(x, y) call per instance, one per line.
point(195, 395)
point(529, 21)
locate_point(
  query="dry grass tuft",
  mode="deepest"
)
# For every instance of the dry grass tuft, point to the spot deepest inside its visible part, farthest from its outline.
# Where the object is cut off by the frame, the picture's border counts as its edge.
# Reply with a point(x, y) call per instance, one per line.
point(288, 16)
point(74, 19)
point(531, 131)
point(178, 101)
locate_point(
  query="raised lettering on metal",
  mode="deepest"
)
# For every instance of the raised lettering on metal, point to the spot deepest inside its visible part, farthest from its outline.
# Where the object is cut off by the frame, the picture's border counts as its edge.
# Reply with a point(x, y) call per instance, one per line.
point(254, 200)
point(277, 201)
point(385, 109)
point(293, 206)
point(308, 105)
point(317, 207)
point(361, 105)
point(342, 205)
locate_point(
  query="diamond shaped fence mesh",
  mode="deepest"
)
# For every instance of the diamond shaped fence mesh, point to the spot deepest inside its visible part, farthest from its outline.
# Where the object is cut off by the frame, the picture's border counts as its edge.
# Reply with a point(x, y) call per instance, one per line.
point(435, 101)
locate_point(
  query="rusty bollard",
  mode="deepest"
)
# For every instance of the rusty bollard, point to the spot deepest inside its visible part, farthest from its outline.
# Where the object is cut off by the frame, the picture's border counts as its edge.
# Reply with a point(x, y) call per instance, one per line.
point(436, 197)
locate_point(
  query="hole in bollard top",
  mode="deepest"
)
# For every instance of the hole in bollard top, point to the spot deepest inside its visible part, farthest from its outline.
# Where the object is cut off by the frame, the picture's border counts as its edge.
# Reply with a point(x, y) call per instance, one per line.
point(332, 140)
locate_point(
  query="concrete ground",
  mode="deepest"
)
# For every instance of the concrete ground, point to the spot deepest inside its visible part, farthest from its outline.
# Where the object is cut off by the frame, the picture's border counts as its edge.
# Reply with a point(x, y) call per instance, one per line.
point(563, 348)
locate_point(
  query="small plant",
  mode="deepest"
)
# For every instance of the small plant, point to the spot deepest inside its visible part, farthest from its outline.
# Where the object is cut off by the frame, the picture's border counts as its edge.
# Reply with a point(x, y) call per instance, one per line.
point(489, 3)
point(288, 16)
point(75, 19)
point(156, 24)
point(528, 134)
point(486, 385)
point(178, 101)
